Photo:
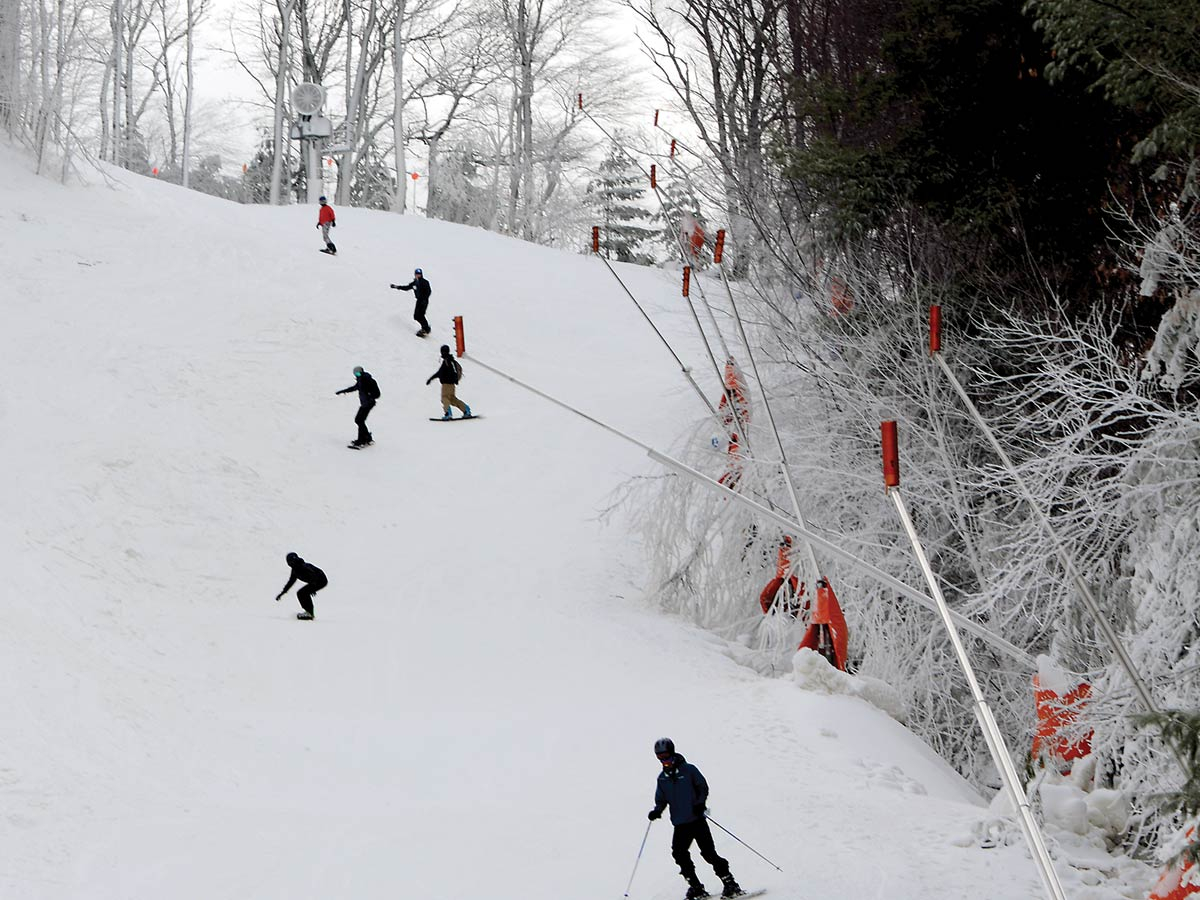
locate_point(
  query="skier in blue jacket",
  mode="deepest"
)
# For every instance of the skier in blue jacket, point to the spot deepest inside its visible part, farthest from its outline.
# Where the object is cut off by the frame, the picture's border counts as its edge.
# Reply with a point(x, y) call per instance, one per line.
point(682, 788)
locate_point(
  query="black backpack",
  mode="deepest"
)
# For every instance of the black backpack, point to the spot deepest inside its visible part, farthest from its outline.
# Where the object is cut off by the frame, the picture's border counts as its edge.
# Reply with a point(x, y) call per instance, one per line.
point(373, 389)
point(458, 372)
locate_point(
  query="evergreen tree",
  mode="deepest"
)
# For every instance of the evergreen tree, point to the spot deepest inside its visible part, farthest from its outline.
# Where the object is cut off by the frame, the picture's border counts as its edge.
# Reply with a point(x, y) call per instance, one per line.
point(678, 202)
point(955, 140)
point(256, 179)
point(1143, 55)
point(614, 195)
point(457, 197)
point(1181, 730)
point(373, 185)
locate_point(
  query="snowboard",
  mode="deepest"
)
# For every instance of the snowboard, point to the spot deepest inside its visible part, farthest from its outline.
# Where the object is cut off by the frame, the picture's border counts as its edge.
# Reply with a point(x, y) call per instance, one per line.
point(359, 446)
point(421, 334)
point(744, 895)
point(305, 617)
point(456, 419)
point(330, 252)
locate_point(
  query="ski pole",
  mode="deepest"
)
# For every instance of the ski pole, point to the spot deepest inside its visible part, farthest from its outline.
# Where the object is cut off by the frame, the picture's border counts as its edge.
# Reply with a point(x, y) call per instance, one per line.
point(639, 857)
point(740, 841)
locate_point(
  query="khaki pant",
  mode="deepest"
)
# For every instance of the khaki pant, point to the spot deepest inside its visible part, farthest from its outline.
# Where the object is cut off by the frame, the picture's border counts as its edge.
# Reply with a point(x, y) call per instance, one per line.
point(449, 400)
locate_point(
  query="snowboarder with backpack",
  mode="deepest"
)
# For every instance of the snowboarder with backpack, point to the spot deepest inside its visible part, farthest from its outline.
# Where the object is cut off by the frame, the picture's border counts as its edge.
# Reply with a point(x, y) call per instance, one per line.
point(421, 289)
point(312, 577)
point(449, 373)
point(368, 393)
point(326, 220)
point(683, 789)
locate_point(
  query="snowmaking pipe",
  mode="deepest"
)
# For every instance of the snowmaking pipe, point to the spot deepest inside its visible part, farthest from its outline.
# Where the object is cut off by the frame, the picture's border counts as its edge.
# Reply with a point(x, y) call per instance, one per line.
point(833, 549)
point(783, 462)
point(683, 254)
point(629, 886)
point(987, 722)
point(1085, 591)
point(743, 843)
point(687, 373)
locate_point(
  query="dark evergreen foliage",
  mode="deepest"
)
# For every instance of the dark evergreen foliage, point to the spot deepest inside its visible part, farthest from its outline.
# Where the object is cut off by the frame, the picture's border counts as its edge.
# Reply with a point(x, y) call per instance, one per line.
point(954, 130)
point(1181, 730)
point(615, 194)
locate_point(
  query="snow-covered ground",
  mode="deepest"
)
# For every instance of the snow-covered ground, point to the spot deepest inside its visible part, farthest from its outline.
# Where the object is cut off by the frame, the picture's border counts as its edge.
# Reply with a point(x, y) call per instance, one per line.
point(472, 712)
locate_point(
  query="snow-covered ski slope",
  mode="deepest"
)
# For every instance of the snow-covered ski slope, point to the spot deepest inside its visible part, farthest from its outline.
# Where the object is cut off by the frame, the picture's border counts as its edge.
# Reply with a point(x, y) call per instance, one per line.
point(472, 712)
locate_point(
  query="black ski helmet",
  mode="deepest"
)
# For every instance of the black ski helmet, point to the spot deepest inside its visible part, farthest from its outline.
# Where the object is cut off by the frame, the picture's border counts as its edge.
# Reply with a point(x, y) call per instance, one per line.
point(416, 271)
point(320, 199)
point(664, 747)
point(445, 349)
point(291, 558)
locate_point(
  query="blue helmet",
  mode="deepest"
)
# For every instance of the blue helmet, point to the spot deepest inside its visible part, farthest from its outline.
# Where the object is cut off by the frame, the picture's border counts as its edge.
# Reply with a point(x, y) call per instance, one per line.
point(320, 199)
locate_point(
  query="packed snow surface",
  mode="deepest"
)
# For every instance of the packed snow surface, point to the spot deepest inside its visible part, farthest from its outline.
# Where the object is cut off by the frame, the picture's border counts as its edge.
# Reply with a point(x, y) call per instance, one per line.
point(473, 710)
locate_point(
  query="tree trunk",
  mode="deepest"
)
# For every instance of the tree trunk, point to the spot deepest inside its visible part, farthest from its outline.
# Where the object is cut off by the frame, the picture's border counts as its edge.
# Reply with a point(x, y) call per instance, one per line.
point(118, 27)
point(187, 103)
point(433, 187)
point(355, 104)
point(281, 75)
point(399, 199)
point(10, 31)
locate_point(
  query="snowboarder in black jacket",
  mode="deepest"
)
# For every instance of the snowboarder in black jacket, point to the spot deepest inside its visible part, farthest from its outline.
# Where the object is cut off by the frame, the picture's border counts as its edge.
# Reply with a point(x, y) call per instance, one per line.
point(449, 373)
point(682, 788)
point(314, 579)
point(368, 393)
point(420, 287)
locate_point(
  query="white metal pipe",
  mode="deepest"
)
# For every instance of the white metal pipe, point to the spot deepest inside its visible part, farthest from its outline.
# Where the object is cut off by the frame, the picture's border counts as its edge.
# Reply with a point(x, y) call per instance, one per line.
point(783, 461)
point(1089, 599)
point(987, 722)
point(687, 372)
point(833, 549)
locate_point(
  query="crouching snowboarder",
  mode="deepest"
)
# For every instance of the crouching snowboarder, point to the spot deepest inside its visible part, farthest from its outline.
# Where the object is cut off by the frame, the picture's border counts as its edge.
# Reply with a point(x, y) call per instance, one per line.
point(314, 579)
point(368, 393)
point(449, 373)
point(682, 788)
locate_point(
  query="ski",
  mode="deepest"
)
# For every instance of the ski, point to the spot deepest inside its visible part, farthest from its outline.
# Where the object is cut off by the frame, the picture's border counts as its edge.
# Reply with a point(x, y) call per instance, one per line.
point(744, 895)
point(456, 419)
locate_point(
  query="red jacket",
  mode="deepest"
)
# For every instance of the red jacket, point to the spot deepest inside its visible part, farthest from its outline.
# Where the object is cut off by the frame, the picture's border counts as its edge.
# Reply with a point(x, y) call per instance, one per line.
point(326, 214)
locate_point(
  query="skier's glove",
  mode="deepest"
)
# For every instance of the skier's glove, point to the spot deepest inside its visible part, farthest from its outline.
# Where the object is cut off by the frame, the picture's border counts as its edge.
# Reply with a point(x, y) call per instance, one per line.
point(654, 814)
point(278, 597)
point(699, 811)
point(428, 380)
point(334, 224)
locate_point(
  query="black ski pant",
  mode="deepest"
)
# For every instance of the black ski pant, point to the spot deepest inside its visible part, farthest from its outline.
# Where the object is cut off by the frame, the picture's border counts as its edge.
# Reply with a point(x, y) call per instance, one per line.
point(361, 421)
point(305, 594)
point(682, 839)
point(419, 314)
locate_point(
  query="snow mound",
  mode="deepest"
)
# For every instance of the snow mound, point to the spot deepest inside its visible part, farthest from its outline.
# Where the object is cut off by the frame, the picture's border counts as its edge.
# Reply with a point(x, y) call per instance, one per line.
point(812, 673)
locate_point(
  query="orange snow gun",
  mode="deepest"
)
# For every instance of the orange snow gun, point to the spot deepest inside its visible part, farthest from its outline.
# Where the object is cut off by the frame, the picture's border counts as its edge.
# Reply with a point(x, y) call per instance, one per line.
point(1171, 884)
point(827, 633)
point(1057, 717)
point(795, 587)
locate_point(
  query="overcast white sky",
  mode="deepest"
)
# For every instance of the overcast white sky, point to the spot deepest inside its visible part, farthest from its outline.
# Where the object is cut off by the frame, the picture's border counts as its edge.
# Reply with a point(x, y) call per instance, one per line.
point(229, 120)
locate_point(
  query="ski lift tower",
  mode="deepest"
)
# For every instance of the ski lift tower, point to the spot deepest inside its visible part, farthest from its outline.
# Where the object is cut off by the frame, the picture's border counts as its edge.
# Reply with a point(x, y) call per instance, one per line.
point(309, 127)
